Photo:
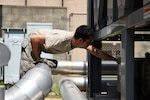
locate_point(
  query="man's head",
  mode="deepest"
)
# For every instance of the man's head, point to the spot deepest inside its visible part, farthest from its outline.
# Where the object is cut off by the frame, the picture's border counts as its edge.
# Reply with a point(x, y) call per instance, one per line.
point(83, 36)
point(84, 32)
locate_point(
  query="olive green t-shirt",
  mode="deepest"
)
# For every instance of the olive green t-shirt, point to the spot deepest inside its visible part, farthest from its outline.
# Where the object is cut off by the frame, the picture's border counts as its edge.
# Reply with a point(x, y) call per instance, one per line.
point(57, 41)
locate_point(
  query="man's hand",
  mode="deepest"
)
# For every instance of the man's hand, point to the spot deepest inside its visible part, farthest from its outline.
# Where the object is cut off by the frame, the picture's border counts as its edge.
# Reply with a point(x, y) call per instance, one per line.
point(119, 60)
point(50, 62)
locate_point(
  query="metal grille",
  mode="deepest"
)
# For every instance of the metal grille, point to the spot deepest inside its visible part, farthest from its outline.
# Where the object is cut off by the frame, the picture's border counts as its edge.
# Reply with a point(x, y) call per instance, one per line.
point(112, 48)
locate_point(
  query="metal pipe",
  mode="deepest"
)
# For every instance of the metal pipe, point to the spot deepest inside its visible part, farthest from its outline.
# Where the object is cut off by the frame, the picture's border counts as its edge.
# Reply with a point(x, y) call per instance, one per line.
point(70, 67)
point(4, 59)
point(82, 82)
point(34, 85)
point(1, 92)
point(62, 3)
point(5, 54)
point(70, 91)
point(80, 67)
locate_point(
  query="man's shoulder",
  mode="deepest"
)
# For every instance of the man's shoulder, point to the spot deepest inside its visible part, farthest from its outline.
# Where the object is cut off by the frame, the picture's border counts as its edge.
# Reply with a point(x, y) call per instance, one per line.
point(46, 30)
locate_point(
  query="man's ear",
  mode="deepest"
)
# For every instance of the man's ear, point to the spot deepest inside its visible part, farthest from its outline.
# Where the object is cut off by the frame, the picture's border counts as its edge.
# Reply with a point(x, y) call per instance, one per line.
point(80, 40)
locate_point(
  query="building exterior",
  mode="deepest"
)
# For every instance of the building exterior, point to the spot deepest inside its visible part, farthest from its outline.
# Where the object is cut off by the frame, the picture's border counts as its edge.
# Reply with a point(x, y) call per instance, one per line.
point(59, 12)
point(64, 14)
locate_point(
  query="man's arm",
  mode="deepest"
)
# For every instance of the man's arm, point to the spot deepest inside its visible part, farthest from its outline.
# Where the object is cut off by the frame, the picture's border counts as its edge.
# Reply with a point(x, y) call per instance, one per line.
point(100, 54)
point(37, 41)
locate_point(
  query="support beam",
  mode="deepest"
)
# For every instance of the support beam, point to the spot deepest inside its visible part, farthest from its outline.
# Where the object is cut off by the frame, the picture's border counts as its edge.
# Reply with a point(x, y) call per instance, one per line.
point(127, 65)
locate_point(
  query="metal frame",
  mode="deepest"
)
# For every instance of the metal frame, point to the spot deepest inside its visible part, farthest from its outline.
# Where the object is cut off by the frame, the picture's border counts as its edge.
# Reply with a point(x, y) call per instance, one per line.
point(136, 18)
point(127, 65)
point(94, 69)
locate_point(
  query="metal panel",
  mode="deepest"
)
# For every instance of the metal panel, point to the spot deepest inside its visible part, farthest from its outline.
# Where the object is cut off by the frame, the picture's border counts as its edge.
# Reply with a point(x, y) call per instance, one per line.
point(33, 26)
point(140, 19)
point(132, 5)
point(13, 39)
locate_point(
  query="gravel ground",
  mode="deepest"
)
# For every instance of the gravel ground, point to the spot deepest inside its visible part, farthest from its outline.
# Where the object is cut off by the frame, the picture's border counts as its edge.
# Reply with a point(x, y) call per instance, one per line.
point(52, 99)
point(52, 96)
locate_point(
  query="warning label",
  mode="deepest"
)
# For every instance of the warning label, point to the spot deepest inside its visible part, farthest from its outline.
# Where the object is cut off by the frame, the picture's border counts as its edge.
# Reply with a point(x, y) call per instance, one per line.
point(146, 12)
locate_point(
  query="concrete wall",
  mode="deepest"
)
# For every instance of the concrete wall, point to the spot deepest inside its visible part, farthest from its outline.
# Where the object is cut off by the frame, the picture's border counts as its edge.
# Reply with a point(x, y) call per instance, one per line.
point(49, 3)
point(79, 10)
point(16, 17)
point(73, 6)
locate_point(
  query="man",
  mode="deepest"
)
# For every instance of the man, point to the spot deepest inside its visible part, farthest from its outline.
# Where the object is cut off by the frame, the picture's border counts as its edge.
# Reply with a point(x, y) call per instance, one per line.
point(54, 42)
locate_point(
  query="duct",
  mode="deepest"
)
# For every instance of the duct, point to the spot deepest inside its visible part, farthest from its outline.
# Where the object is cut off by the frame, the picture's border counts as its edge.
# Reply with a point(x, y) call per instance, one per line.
point(70, 87)
point(4, 54)
point(80, 67)
point(82, 81)
point(34, 85)
point(70, 67)
point(69, 91)
point(1, 92)
point(4, 58)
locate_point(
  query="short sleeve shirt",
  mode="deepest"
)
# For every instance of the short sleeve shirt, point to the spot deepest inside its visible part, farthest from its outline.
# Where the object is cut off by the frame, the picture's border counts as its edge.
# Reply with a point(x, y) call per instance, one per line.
point(57, 41)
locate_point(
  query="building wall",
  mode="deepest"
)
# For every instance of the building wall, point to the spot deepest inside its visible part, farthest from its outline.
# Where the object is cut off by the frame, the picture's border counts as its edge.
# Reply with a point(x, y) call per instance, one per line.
point(77, 12)
point(49, 3)
point(72, 6)
point(76, 16)
point(16, 17)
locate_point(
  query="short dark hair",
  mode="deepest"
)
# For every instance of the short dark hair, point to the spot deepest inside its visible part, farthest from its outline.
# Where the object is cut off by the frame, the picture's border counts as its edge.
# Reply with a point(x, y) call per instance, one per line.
point(84, 32)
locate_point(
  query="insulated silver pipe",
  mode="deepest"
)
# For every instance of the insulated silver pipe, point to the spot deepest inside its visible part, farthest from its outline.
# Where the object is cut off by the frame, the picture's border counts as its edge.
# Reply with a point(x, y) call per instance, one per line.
point(5, 54)
point(2, 92)
point(34, 85)
point(80, 67)
point(82, 81)
point(70, 67)
point(70, 91)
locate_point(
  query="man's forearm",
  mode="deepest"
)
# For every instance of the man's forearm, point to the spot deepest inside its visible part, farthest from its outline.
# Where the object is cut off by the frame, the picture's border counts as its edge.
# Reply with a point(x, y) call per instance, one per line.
point(37, 41)
point(36, 53)
point(35, 49)
point(100, 54)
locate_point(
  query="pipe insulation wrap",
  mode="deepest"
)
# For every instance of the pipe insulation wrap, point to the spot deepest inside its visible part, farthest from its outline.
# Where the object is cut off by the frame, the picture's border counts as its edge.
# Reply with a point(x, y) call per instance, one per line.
point(81, 82)
point(71, 67)
point(1, 92)
point(70, 91)
point(81, 67)
point(5, 54)
point(34, 85)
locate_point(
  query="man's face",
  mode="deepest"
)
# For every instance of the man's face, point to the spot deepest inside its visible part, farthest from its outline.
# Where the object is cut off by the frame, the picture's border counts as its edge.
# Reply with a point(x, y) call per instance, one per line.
point(86, 43)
